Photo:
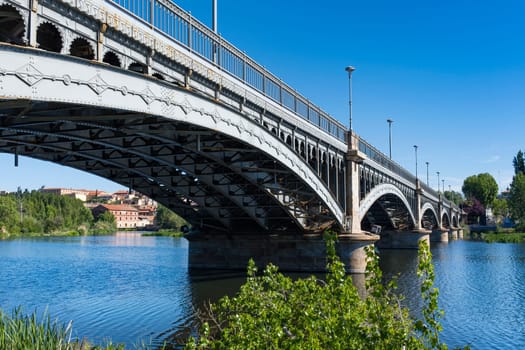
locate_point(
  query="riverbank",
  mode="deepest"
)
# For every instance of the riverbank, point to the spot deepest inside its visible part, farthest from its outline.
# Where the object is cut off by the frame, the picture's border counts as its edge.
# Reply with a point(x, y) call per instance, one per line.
point(67, 233)
point(501, 237)
point(163, 233)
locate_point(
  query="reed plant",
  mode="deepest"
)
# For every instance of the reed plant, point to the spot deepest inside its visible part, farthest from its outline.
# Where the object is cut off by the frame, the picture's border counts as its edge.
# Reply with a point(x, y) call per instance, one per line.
point(30, 332)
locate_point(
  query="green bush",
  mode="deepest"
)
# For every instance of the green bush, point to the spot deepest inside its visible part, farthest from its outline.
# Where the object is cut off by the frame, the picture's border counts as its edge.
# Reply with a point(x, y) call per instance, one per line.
point(272, 311)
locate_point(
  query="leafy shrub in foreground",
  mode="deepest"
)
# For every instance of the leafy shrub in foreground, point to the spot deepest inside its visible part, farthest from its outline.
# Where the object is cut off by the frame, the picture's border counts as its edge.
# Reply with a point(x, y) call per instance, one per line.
point(272, 311)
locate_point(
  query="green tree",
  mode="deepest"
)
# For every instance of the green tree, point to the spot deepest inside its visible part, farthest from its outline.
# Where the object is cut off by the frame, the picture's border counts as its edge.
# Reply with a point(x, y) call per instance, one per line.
point(167, 219)
point(105, 224)
point(483, 187)
point(516, 199)
point(8, 214)
point(34, 212)
point(519, 163)
point(454, 197)
point(272, 311)
point(500, 208)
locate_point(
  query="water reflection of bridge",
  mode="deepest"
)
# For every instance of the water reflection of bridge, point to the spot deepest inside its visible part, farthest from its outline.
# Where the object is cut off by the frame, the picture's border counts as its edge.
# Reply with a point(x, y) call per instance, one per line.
point(145, 95)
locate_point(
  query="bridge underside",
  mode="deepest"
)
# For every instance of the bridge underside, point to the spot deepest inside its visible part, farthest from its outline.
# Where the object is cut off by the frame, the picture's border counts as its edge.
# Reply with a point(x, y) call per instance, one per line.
point(219, 184)
point(390, 213)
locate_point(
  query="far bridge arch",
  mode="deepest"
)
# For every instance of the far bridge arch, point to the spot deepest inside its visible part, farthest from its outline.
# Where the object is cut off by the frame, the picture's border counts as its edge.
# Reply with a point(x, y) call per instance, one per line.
point(429, 217)
point(445, 219)
point(386, 205)
point(455, 222)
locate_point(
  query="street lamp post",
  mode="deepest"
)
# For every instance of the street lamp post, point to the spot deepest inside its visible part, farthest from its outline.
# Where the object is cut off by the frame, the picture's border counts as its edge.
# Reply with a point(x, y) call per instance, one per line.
point(352, 183)
point(350, 69)
point(438, 180)
point(214, 15)
point(390, 121)
point(427, 173)
point(443, 181)
point(415, 150)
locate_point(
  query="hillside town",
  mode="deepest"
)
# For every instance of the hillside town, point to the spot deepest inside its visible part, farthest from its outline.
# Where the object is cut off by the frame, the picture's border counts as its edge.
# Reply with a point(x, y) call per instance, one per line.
point(131, 209)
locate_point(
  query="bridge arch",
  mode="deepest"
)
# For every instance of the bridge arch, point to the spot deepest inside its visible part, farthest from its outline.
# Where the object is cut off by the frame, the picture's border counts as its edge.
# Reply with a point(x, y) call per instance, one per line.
point(390, 193)
point(455, 222)
point(429, 217)
point(445, 219)
point(106, 90)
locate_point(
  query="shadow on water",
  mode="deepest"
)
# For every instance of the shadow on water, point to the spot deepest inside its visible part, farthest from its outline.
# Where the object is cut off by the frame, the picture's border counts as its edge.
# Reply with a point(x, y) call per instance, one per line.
point(401, 264)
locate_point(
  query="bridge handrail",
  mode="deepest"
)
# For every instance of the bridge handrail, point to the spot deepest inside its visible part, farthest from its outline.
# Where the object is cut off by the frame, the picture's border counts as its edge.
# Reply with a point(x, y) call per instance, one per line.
point(380, 158)
point(182, 27)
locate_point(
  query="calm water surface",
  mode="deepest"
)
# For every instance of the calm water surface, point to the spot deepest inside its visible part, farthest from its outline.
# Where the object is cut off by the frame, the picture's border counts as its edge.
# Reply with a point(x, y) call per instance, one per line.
point(131, 288)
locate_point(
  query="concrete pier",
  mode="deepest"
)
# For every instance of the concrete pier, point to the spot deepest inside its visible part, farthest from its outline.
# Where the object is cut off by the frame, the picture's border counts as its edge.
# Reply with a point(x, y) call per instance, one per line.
point(453, 235)
point(439, 236)
point(402, 239)
point(289, 253)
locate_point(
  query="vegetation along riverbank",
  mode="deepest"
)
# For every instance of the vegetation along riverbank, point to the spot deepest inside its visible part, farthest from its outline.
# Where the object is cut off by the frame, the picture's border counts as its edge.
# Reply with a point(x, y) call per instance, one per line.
point(33, 213)
point(498, 237)
point(40, 214)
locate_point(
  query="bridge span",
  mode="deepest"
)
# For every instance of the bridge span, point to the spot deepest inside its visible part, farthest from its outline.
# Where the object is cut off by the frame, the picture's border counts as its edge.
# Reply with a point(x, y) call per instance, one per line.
point(143, 94)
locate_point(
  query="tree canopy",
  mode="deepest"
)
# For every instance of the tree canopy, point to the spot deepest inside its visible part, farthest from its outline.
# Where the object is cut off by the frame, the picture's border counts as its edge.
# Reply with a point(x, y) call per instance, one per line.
point(482, 187)
point(167, 219)
point(454, 196)
point(35, 212)
point(516, 201)
point(519, 163)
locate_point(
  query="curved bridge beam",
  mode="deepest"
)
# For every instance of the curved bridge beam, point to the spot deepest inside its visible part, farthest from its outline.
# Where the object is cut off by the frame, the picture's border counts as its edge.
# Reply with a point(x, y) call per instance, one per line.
point(32, 75)
point(378, 192)
point(429, 207)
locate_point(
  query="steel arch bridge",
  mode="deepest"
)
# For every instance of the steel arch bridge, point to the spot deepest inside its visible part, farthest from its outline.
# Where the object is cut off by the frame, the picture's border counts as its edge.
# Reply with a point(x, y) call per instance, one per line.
point(143, 94)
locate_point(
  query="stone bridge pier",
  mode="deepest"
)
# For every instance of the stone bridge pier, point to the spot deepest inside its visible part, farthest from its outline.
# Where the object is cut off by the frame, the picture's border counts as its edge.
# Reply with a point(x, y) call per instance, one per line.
point(439, 235)
point(289, 253)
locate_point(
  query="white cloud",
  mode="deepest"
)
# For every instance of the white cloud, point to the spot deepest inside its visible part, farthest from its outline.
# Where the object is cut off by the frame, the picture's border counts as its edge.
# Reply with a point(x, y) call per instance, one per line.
point(492, 159)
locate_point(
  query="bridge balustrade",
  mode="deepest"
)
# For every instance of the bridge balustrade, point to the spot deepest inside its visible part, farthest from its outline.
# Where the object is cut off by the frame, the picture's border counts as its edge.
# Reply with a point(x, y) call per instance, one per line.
point(180, 26)
point(377, 156)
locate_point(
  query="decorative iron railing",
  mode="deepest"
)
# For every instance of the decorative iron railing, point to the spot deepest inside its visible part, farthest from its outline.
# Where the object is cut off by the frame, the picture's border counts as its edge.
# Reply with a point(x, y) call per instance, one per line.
point(179, 25)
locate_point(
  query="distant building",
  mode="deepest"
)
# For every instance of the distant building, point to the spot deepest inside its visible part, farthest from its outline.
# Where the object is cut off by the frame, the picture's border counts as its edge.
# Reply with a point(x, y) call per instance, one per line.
point(147, 215)
point(78, 194)
point(122, 196)
point(126, 216)
point(96, 195)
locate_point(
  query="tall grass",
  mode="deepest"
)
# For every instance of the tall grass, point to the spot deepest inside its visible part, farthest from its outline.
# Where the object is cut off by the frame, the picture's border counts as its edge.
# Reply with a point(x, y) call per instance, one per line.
point(28, 332)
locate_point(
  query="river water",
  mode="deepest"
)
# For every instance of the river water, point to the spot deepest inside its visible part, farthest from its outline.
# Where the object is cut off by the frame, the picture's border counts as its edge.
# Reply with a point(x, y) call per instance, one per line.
point(138, 289)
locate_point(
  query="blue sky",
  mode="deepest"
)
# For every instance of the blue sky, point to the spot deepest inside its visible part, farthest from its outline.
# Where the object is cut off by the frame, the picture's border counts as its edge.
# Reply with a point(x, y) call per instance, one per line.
point(450, 74)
